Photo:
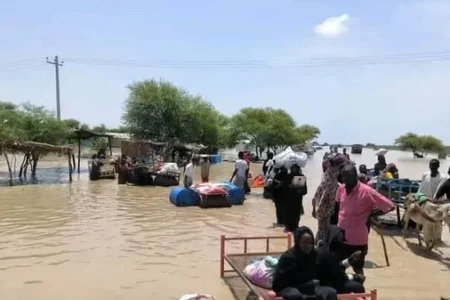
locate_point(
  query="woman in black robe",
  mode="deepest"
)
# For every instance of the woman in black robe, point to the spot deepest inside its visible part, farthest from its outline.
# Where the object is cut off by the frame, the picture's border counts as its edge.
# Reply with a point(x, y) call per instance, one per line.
point(331, 270)
point(296, 274)
point(294, 188)
point(278, 195)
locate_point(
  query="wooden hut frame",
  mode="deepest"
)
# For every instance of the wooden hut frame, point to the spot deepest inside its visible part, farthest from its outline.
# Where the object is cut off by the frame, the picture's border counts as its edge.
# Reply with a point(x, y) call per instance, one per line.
point(141, 148)
point(32, 152)
point(84, 134)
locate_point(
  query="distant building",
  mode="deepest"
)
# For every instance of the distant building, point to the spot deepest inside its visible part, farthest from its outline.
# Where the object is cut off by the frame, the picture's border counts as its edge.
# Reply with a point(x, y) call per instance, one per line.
point(117, 138)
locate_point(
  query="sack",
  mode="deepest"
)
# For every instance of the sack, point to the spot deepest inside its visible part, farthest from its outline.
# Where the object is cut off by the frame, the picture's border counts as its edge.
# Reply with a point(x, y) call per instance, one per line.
point(298, 159)
point(381, 151)
point(196, 297)
point(260, 272)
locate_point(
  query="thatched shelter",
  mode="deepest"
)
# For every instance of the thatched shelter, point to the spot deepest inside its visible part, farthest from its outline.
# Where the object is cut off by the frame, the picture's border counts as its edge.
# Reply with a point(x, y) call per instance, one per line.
point(84, 134)
point(32, 151)
point(141, 148)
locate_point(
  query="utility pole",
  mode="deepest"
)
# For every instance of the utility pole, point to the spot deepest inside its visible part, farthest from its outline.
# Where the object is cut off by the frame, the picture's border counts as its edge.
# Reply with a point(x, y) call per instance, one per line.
point(57, 64)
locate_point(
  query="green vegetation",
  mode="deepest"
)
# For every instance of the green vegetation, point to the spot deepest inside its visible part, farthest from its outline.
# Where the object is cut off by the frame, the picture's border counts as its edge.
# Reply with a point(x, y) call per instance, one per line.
point(420, 144)
point(269, 128)
point(160, 111)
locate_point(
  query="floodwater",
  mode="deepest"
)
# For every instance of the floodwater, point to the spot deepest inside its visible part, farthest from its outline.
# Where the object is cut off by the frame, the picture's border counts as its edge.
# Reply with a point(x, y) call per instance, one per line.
point(98, 240)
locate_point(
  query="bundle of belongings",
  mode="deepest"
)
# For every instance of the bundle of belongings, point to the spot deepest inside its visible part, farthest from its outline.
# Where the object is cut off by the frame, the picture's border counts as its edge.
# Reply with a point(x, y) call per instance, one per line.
point(285, 159)
point(288, 158)
point(260, 272)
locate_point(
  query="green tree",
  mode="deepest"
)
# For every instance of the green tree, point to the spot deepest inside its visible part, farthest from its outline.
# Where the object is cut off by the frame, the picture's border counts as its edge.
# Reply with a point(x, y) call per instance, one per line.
point(306, 133)
point(160, 111)
point(40, 125)
point(100, 145)
point(268, 128)
point(120, 129)
point(100, 129)
point(72, 123)
point(420, 144)
point(11, 119)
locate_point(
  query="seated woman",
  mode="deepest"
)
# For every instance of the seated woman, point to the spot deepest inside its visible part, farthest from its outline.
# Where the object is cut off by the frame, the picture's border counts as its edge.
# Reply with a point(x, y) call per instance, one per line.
point(296, 275)
point(391, 172)
point(363, 169)
point(331, 271)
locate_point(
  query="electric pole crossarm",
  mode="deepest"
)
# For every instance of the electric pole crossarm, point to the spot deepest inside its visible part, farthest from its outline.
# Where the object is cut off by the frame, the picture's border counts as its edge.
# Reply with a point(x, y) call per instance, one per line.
point(57, 64)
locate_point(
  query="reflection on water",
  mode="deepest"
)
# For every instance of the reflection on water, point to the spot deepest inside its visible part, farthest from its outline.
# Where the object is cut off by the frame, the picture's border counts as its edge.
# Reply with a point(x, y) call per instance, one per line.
point(99, 240)
point(55, 171)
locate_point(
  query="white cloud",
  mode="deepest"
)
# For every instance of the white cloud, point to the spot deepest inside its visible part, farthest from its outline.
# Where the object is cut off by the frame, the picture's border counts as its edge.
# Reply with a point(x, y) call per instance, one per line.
point(333, 26)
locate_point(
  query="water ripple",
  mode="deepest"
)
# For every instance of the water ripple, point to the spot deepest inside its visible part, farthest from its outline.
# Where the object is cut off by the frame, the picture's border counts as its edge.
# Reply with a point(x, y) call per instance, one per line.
point(120, 242)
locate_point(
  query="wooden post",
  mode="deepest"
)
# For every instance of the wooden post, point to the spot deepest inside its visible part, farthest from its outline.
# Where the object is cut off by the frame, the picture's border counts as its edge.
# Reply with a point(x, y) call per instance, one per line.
point(109, 144)
point(79, 150)
point(222, 253)
point(9, 167)
point(69, 158)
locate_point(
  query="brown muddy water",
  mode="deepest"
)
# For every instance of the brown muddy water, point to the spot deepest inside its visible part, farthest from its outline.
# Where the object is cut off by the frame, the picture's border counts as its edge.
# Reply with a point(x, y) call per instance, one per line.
point(98, 240)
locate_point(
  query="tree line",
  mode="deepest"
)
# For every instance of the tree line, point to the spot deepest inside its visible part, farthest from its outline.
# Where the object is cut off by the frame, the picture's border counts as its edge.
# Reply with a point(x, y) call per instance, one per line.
point(161, 111)
point(28, 122)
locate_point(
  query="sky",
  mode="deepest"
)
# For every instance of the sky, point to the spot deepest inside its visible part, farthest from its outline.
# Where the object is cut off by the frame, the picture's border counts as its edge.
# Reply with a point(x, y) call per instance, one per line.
point(350, 102)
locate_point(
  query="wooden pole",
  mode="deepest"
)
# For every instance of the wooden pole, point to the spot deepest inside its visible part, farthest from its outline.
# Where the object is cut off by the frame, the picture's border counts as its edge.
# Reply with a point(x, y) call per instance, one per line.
point(79, 151)
point(69, 158)
point(380, 233)
point(9, 167)
point(109, 144)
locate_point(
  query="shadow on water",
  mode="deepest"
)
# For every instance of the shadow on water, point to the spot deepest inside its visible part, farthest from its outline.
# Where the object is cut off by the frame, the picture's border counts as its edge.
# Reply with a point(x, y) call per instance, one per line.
point(49, 175)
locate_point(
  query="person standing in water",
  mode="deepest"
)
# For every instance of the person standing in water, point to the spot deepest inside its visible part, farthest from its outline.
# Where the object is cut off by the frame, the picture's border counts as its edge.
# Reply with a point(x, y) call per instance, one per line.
point(268, 163)
point(278, 195)
point(205, 167)
point(294, 188)
point(189, 170)
point(240, 173)
point(344, 151)
point(324, 200)
point(358, 202)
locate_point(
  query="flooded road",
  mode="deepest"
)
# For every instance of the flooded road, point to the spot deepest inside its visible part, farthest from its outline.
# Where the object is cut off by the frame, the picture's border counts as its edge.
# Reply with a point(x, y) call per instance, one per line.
point(98, 240)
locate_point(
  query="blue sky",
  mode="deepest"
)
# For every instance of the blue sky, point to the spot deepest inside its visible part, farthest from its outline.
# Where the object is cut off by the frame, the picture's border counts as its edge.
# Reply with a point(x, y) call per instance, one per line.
point(349, 103)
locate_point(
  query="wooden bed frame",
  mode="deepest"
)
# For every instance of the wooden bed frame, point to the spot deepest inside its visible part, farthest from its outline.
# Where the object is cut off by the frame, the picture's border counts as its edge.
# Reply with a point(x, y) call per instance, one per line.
point(238, 261)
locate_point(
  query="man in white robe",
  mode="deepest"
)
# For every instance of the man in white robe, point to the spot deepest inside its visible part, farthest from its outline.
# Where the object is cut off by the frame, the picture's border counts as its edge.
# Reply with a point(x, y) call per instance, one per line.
point(431, 181)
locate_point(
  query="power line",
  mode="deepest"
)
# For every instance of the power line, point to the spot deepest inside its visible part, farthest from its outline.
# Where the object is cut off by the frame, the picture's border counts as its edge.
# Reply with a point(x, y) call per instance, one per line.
point(57, 64)
point(21, 64)
point(258, 64)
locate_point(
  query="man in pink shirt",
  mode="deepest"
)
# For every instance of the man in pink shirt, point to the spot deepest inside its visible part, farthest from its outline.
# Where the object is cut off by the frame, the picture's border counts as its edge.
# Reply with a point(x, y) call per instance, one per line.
point(357, 203)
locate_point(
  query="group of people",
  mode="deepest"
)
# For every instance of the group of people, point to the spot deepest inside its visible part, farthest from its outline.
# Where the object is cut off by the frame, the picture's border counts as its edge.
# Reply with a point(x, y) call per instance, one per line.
point(189, 170)
point(307, 271)
point(315, 268)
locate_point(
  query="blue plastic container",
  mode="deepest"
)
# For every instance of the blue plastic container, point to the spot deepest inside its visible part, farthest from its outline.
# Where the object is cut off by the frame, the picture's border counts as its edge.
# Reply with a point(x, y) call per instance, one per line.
point(181, 196)
point(237, 194)
point(216, 159)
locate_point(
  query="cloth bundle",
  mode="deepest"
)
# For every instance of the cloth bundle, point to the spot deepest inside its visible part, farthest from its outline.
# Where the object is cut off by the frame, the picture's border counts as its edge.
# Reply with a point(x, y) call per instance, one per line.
point(260, 272)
